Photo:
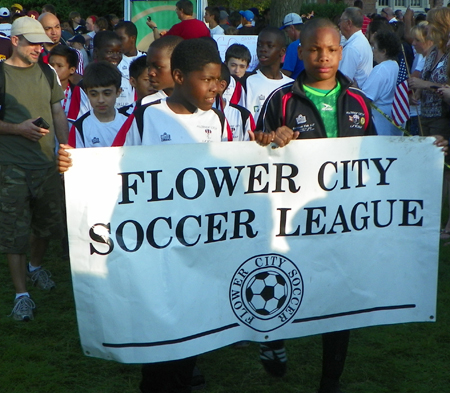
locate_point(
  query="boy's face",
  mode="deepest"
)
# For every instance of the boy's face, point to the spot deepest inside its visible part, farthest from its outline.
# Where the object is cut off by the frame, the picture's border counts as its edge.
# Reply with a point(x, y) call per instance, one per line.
point(59, 63)
point(128, 42)
point(89, 24)
point(237, 66)
point(207, 16)
point(269, 49)
point(321, 52)
point(103, 99)
point(200, 87)
point(158, 62)
point(142, 84)
point(111, 52)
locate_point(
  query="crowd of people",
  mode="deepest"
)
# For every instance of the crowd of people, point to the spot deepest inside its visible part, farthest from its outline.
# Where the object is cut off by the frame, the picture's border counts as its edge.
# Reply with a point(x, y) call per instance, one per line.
point(81, 83)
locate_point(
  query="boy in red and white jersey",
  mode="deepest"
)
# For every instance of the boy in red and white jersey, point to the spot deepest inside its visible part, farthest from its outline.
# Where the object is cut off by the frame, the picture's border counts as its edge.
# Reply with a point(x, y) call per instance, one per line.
point(99, 127)
point(239, 119)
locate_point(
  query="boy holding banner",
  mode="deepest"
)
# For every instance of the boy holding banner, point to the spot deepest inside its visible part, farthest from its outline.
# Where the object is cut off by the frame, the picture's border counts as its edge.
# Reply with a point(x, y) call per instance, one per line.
point(184, 117)
point(319, 104)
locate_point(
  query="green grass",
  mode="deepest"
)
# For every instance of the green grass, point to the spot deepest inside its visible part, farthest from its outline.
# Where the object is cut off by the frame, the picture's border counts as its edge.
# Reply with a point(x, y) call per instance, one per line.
point(45, 356)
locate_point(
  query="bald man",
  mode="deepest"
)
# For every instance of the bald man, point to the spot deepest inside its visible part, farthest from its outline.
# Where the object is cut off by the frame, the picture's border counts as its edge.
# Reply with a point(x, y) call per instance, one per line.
point(52, 28)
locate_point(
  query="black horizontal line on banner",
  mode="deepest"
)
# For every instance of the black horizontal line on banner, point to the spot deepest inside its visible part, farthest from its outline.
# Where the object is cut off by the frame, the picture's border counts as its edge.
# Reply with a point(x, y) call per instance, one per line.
point(343, 314)
point(175, 341)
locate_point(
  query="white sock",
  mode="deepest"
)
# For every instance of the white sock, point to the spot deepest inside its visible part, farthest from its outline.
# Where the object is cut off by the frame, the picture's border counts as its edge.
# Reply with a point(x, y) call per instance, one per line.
point(22, 294)
point(31, 268)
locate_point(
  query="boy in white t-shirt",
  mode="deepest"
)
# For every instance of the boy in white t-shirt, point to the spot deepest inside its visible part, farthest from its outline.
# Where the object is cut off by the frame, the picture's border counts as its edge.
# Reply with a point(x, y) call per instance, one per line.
point(99, 127)
point(271, 48)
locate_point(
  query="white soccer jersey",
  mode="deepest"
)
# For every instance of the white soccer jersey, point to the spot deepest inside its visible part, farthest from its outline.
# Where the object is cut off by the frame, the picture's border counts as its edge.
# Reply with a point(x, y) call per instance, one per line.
point(159, 95)
point(162, 126)
point(239, 119)
point(258, 88)
point(234, 93)
point(88, 131)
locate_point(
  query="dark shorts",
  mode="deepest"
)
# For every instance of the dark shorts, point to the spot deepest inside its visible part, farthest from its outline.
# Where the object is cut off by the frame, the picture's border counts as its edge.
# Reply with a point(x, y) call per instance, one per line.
point(30, 202)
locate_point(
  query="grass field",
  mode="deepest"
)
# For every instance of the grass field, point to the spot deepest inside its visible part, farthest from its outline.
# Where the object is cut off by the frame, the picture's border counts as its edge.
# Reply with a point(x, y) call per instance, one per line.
point(45, 356)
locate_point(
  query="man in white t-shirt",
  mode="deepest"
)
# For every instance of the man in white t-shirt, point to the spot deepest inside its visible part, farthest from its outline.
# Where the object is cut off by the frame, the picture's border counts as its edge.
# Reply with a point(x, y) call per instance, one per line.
point(212, 17)
point(357, 56)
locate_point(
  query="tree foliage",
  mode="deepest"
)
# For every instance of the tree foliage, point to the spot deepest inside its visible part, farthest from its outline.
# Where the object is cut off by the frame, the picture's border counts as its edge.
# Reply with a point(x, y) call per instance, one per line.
point(279, 9)
point(84, 7)
point(241, 4)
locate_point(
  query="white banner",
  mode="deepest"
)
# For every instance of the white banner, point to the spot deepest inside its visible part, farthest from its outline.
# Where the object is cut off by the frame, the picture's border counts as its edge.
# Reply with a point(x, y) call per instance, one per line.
point(182, 249)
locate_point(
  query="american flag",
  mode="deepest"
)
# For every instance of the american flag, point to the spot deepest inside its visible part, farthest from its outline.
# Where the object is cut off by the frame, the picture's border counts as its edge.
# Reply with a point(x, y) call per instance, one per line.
point(400, 106)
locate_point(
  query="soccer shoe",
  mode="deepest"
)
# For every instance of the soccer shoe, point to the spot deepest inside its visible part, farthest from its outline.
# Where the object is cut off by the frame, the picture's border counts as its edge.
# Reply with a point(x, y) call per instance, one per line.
point(273, 360)
point(23, 309)
point(41, 279)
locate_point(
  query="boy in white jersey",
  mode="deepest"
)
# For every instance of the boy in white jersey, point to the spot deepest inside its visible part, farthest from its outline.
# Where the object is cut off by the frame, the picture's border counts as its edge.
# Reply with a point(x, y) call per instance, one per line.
point(270, 50)
point(239, 119)
point(99, 127)
point(65, 61)
point(184, 117)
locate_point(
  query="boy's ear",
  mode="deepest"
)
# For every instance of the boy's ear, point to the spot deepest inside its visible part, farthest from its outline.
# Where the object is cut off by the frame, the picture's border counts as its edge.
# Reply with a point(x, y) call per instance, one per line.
point(119, 91)
point(133, 82)
point(283, 51)
point(300, 52)
point(177, 76)
point(223, 84)
point(72, 70)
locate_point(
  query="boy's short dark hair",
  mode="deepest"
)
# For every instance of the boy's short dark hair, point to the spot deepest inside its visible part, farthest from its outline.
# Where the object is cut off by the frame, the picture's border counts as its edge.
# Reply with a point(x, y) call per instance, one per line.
point(74, 14)
point(214, 12)
point(281, 38)
point(129, 27)
point(67, 52)
point(315, 24)
point(186, 6)
point(102, 38)
point(225, 73)
point(101, 74)
point(167, 42)
point(238, 51)
point(193, 55)
point(138, 66)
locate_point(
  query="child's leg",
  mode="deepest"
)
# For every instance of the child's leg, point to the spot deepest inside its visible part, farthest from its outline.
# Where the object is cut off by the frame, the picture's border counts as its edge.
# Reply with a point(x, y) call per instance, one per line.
point(168, 377)
point(335, 346)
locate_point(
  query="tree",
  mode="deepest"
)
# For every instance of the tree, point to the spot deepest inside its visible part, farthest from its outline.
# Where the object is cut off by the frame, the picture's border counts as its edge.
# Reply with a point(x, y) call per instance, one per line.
point(279, 9)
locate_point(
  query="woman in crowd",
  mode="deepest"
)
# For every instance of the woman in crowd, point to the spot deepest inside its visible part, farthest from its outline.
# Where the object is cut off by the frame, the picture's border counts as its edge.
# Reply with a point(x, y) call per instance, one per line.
point(435, 114)
point(422, 44)
point(380, 85)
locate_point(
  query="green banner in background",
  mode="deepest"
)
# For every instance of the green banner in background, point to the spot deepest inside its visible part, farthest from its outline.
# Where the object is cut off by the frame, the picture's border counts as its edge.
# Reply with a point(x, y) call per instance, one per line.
point(162, 12)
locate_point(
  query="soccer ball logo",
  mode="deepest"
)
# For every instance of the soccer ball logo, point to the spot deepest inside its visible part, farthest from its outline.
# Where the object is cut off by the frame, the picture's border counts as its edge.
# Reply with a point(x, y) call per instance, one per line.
point(266, 293)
